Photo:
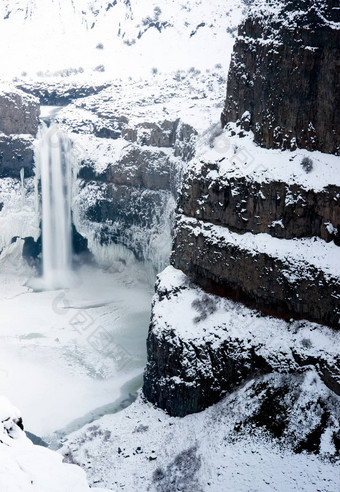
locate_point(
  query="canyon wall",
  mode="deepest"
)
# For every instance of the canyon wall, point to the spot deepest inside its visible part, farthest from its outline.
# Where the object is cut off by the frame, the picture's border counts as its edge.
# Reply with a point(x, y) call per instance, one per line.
point(255, 262)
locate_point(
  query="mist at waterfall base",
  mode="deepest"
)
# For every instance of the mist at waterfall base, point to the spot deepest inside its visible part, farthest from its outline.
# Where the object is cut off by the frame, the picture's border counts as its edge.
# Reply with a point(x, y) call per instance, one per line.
point(72, 342)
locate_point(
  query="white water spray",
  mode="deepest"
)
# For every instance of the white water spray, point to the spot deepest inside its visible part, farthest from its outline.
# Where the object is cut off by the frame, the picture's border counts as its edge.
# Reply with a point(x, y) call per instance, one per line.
point(56, 177)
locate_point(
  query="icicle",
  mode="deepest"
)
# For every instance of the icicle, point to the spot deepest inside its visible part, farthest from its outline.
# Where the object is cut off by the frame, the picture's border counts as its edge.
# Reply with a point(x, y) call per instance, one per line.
point(22, 176)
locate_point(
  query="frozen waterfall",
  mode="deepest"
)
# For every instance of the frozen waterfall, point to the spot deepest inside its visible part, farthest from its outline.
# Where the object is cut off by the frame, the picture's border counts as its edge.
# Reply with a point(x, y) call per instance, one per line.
point(55, 159)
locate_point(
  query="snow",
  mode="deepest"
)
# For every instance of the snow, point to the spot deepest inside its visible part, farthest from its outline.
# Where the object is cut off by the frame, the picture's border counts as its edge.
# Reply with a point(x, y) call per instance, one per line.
point(230, 320)
point(25, 466)
point(9, 91)
point(48, 37)
point(66, 353)
point(185, 94)
point(274, 13)
point(142, 448)
point(50, 365)
point(18, 216)
point(130, 107)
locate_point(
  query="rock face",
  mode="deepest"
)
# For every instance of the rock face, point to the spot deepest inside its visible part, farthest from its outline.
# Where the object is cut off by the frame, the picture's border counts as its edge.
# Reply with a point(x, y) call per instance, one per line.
point(19, 113)
point(61, 94)
point(284, 76)
point(19, 119)
point(16, 152)
point(131, 201)
point(262, 243)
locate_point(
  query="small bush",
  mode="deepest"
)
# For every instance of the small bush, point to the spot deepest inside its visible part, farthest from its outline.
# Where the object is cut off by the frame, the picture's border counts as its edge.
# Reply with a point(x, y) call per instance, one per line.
point(307, 164)
point(99, 68)
point(305, 342)
point(205, 306)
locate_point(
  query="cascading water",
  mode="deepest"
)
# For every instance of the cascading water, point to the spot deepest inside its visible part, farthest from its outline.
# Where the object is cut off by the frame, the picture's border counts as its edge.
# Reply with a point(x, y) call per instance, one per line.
point(55, 159)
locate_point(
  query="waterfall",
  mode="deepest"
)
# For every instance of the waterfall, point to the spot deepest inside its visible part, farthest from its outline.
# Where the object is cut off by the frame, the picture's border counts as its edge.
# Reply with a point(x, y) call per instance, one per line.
point(55, 159)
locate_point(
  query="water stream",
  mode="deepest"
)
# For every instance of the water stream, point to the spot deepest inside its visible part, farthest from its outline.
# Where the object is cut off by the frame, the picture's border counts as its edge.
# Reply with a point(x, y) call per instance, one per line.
point(55, 159)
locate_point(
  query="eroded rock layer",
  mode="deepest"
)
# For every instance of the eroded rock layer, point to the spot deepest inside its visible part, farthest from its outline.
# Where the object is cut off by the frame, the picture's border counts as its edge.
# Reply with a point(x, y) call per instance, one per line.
point(274, 207)
point(279, 278)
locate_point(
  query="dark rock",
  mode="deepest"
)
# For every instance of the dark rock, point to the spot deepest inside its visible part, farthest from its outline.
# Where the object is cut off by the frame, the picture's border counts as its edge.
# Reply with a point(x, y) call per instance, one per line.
point(123, 210)
point(284, 79)
point(133, 197)
point(16, 153)
point(176, 134)
point(61, 94)
point(116, 206)
point(32, 249)
point(183, 377)
point(285, 76)
point(192, 367)
point(79, 243)
point(19, 423)
point(87, 172)
point(148, 169)
point(19, 113)
point(105, 132)
point(279, 403)
point(19, 119)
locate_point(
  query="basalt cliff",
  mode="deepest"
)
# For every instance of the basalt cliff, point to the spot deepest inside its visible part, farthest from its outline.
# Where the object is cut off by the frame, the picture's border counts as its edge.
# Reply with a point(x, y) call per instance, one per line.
point(254, 282)
point(284, 76)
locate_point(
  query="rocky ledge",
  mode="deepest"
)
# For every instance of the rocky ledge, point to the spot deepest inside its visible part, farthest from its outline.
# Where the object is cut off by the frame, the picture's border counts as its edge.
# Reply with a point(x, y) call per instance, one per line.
point(244, 204)
point(287, 278)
